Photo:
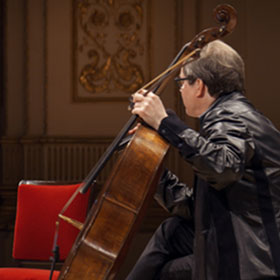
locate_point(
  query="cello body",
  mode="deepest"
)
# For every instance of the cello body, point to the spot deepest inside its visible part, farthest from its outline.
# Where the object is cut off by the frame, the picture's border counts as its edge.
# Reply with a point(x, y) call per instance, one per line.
point(115, 216)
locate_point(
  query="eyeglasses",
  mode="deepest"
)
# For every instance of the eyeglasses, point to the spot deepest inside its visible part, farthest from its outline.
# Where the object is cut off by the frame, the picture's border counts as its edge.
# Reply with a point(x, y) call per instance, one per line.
point(180, 81)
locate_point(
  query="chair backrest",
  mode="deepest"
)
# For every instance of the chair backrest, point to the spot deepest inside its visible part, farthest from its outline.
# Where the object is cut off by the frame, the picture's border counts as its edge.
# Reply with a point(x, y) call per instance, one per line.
point(38, 207)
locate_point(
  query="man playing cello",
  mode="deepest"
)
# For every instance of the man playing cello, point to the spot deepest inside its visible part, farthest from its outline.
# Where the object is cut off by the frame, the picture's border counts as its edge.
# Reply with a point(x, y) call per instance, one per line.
point(227, 225)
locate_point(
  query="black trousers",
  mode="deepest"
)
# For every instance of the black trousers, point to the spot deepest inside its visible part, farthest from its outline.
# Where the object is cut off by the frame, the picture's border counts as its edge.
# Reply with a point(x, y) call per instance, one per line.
point(168, 255)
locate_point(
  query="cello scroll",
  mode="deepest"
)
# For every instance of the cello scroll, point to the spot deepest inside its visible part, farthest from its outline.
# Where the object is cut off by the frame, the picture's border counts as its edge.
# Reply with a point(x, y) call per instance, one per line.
point(226, 16)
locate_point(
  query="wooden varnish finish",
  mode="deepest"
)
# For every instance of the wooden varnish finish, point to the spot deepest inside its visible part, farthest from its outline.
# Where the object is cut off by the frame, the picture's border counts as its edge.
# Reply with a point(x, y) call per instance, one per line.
point(114, 218)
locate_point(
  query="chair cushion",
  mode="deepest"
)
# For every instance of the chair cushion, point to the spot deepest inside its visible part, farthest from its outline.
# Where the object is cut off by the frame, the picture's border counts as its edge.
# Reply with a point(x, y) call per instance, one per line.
point(26, 274)
point(38, 207)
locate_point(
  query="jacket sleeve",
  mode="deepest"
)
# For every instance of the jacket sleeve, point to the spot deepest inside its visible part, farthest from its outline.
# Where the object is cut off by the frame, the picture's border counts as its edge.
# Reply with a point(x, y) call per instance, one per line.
point(218, 153)
point(174, 196)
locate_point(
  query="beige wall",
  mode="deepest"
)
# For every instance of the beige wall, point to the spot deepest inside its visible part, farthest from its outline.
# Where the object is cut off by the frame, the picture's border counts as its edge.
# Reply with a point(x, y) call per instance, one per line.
point(256, 38)
point(39, 62)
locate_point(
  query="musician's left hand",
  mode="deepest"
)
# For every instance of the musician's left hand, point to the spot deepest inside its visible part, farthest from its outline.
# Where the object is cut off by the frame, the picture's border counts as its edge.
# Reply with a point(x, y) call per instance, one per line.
point(133, 130)
point(149, 107)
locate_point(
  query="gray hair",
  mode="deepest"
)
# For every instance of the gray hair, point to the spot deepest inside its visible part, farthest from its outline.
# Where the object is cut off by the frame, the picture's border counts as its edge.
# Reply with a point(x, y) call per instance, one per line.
point(220, 67)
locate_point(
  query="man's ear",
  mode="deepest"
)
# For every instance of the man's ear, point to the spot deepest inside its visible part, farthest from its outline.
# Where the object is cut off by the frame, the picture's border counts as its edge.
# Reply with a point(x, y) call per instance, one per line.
point(200, 88)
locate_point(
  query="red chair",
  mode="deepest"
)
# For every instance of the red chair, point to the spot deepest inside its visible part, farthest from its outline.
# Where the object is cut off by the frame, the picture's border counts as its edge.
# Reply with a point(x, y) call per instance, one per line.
point(38, 206)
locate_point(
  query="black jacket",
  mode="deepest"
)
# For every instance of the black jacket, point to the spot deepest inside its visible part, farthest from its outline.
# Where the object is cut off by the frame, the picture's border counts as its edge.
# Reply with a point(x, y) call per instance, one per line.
point(235, 201)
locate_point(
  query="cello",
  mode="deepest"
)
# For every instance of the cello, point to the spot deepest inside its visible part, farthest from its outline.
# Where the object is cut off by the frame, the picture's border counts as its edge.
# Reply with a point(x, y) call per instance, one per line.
point(111, 223)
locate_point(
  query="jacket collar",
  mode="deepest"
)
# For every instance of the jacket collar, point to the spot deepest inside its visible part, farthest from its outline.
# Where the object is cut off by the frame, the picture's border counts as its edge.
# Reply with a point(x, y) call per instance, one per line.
point(222, 98)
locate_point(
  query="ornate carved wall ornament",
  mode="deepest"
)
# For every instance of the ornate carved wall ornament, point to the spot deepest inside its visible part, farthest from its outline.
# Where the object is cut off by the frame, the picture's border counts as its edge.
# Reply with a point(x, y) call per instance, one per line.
point(111, 53)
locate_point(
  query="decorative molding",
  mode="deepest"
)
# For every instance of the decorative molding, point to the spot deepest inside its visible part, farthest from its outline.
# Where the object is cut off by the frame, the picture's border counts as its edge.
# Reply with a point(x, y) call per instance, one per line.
point(110, 48)
point(56, 158)
point(50, 158)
